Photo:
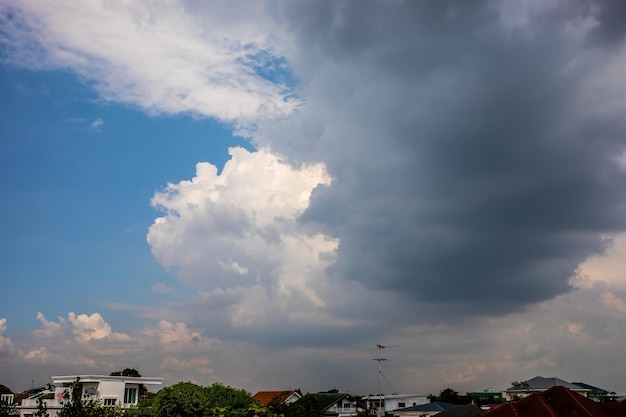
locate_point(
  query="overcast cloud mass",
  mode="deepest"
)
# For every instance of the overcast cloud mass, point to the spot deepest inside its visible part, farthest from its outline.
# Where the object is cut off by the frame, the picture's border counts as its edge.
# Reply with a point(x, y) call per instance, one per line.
point(447, 177)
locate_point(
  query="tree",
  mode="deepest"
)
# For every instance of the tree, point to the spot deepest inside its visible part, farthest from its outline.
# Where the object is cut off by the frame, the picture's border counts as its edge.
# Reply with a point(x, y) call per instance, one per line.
point(190, 400)
point(306, 406)
point(448, 395)
point(126, 372)
point(73, 406)
point(181, 400)
point(7, 409)
point(42, 409)
point(221, 396)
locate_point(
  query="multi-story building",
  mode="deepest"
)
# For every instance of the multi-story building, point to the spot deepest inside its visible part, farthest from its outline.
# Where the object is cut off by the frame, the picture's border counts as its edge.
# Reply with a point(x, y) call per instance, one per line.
point(110, 391)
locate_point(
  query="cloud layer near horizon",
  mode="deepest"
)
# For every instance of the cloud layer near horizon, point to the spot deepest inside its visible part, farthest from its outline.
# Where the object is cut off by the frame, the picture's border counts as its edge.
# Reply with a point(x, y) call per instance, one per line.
point(450, 170)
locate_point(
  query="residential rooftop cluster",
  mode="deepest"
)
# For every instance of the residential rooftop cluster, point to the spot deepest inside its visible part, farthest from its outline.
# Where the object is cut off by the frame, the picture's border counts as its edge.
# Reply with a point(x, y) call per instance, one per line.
point(534, 397)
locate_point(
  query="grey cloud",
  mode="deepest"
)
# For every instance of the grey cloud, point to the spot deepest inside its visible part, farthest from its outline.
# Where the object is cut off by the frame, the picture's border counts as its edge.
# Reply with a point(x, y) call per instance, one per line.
point(610, 18)
point(466, 174)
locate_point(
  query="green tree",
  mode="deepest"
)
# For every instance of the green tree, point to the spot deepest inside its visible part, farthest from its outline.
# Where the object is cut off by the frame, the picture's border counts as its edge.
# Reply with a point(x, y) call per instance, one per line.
point(221, 396)
point(73, 406)
point(180, 400)
point(448, 395)
point(96, 409)
point(7, 409)
point(143, 408)
point(42, 409)
point(127, 372)
point(306, 406)
point(190, 400)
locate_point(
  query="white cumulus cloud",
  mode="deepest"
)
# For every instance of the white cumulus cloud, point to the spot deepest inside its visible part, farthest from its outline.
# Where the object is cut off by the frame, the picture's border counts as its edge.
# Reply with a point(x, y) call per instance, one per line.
point(247, 214)
point(50, 328)
point(97, 123)
point(6, 344)
point(92, 327)
point(164, 57)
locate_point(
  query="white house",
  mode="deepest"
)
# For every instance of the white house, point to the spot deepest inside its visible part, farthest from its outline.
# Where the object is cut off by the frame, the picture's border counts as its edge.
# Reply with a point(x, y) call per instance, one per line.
point(6, 398)
point(110, 391)
point(386, 403)
point(339, 404)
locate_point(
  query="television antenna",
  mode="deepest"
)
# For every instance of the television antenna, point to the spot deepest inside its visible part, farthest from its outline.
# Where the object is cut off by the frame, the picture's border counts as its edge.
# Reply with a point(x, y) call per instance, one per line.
point(380, 359)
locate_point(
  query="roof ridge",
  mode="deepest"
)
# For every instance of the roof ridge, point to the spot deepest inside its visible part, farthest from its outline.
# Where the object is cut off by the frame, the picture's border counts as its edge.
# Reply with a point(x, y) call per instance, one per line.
point(514, 408)
point(547, 406)
point(577, 398)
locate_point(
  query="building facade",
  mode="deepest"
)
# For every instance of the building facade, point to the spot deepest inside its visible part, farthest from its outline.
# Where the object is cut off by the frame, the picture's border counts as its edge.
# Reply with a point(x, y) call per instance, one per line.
point(383, 404)
point(110, 391)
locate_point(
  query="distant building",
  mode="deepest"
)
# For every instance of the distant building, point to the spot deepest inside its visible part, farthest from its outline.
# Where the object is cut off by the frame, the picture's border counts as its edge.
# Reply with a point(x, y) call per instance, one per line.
point(558, 401)
point(423, 410)
point(488, 396)
point(110, 391)
point(463, 411)
point(337, 404)
point(538, 384)
point(597, 394)
point(387, 403)
point(278, 397)
point(7, 398)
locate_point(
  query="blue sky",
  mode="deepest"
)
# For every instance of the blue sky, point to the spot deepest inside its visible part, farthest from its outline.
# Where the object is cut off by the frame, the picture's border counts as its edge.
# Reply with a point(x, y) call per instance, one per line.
point(258, 193)
point(78, 192)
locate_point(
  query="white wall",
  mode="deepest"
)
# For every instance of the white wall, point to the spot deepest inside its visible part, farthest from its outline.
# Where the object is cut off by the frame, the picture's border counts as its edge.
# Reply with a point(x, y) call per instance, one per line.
point(112, 389)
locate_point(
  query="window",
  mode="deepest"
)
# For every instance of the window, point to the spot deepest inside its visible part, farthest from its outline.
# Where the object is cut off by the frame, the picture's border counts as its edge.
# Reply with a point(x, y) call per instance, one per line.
point(401, 405)
point(110, 402)
point(130, 395)
point(346, 405)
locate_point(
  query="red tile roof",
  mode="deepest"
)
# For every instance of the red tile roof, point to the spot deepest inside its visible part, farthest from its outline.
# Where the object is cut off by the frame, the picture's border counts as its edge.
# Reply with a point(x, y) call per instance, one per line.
point(558, 401)
point(266, 397)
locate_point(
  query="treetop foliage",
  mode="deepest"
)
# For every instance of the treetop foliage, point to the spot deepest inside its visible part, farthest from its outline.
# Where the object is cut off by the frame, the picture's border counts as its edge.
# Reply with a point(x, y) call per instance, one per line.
point(126, 372)
point(448, 395)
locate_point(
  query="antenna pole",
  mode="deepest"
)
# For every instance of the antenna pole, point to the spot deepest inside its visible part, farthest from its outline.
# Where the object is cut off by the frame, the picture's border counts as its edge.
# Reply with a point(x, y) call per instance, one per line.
point(380, 409)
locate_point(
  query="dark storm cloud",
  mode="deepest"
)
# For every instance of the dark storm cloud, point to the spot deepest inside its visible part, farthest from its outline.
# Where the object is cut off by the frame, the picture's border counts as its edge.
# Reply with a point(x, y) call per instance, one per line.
point(468, 170)
point(610, 17)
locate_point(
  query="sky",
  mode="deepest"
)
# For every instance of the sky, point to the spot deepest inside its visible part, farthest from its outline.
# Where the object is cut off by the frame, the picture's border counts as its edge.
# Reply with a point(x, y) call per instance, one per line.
point(259, 193)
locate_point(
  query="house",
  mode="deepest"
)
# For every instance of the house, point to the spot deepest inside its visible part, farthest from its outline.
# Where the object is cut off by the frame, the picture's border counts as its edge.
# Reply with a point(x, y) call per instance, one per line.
point(558, 401)
point(462, 411)
point(538, 384)
point(423, 410)
point(7, 398)
point(333, 403)
point(277, 397)
point(122, 391)
point(488, 396)
point(595, 393)
point(387, 403)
